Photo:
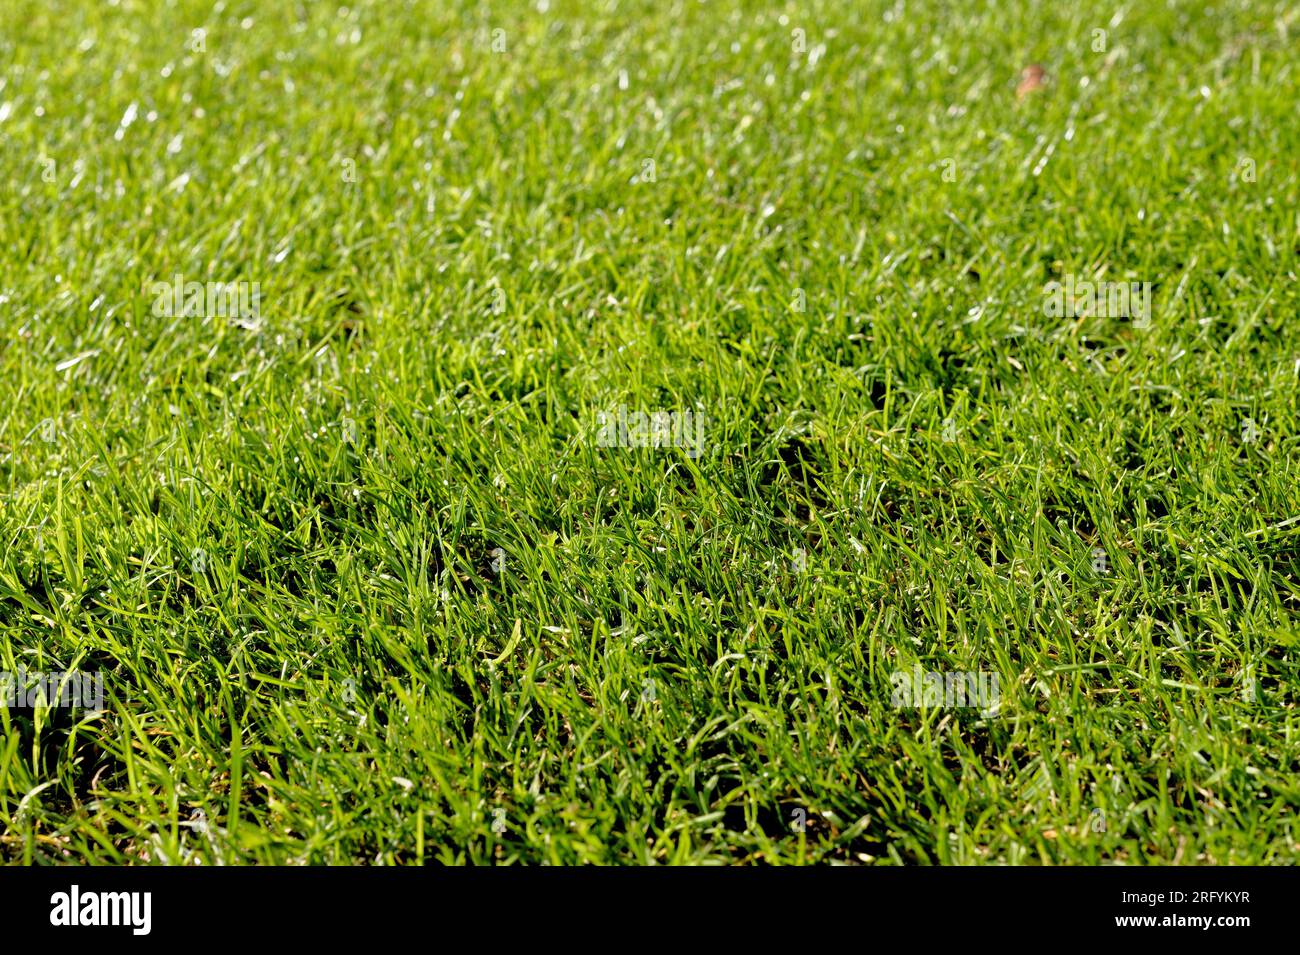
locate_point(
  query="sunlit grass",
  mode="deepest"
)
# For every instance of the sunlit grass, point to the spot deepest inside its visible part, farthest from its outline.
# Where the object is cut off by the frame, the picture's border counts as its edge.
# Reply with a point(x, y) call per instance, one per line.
point(366, 585)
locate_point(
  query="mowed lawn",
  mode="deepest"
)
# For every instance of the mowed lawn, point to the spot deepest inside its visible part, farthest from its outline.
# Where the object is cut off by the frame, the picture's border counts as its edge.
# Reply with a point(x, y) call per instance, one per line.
point(380, 562)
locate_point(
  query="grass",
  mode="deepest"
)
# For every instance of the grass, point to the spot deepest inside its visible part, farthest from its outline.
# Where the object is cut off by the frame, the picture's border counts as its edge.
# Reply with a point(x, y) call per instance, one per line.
point(363, 583)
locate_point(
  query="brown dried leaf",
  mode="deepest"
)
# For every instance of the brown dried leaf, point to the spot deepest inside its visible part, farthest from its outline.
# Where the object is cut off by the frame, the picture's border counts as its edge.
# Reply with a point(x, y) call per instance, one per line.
point(1032, 77)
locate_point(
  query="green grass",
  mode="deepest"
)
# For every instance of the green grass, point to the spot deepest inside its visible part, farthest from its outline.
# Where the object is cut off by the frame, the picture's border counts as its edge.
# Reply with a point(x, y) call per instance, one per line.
point(363, 584)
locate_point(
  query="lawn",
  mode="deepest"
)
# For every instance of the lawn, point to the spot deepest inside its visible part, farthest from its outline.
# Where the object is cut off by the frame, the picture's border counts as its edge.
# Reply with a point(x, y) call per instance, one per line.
point(627, 432)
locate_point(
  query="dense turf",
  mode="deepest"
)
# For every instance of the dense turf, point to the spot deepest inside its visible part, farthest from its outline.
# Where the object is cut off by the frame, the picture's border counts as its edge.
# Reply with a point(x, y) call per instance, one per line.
point(364, 583)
